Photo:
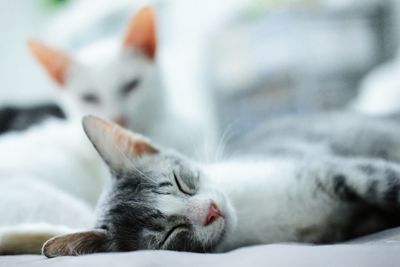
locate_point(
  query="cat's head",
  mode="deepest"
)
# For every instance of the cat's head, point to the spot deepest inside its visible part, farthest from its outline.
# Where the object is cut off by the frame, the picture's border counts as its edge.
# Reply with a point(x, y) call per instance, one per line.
point(157, 200)
point(115, 79)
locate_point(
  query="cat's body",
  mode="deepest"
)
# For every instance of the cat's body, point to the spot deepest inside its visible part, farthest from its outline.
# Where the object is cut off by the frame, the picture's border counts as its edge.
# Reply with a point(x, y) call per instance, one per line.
point(320, 179)
point(54, 154)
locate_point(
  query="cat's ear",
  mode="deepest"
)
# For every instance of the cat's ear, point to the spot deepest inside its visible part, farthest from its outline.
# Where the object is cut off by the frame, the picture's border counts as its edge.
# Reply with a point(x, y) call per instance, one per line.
point(56, 63)
point(141, 33)
point(76, 244)
point(115, 145)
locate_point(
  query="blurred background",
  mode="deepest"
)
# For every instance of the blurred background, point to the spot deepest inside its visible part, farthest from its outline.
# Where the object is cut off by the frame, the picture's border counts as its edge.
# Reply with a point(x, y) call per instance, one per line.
point(257, 58)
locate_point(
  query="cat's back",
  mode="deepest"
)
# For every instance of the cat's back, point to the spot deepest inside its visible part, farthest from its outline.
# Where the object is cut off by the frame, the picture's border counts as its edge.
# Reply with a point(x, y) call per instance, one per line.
point(339, 133)
point(56, 153)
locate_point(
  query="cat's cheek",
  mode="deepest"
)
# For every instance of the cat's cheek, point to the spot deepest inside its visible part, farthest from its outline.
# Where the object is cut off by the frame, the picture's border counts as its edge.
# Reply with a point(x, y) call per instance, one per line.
point(230, 217)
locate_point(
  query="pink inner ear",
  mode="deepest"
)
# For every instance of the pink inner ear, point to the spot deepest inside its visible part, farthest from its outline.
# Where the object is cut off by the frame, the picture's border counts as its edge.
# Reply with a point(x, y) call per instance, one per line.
point(131, 144)
point(55, 63)
point(141, 148)
point(101, 132)
point(141, 33)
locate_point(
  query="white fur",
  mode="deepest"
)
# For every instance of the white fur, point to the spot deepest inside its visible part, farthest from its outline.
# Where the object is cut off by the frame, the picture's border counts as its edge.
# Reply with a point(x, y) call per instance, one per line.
point(47, 171)
point(247, 185)
point(49, 175)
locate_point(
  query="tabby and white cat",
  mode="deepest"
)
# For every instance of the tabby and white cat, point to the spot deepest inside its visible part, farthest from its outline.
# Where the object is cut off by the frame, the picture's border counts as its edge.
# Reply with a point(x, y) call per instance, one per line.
point(318, 179)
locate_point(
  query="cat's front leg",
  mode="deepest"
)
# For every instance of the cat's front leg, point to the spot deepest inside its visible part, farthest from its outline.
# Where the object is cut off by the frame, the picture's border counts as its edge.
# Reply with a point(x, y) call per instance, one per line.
point(372, 181)
point(347, 198)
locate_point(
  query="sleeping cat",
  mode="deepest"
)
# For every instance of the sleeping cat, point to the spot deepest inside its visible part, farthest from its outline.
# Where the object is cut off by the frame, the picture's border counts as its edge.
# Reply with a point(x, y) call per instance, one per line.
point(317, 179)
point(121, 81)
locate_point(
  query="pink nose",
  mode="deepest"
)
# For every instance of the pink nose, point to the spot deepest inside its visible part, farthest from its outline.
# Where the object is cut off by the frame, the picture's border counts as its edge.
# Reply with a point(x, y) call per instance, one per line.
point(213, 214)
point(120, 120)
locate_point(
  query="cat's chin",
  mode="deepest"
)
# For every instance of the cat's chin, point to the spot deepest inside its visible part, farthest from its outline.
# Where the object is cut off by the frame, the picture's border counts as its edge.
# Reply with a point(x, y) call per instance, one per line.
point(223, 226)
point(230, 219)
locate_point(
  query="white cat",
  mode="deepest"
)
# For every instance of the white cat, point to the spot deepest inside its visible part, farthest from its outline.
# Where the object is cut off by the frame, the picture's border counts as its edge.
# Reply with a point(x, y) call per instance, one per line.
point(120, 80)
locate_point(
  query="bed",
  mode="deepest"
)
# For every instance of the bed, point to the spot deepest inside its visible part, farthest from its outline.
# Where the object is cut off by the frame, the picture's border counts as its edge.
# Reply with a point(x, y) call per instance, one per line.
point(381, 249)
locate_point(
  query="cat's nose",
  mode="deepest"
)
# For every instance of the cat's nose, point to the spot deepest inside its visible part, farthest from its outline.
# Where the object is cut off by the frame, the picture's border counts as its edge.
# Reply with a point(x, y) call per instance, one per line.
point(120, 120)
point(213, 214)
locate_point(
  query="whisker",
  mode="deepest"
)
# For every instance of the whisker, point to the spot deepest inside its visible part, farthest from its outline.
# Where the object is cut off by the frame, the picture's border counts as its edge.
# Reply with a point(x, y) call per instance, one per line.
point(226, 135)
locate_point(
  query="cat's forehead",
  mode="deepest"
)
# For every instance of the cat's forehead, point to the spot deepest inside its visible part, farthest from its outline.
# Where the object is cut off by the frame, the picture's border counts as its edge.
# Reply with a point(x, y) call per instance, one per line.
point(109, 53)
point(99, 53)
point(158, 168)
point(108, 59)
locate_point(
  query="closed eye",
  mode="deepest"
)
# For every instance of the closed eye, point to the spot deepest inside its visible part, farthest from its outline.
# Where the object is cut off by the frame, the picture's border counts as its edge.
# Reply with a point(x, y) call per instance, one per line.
point(129, 87)
point(182, 186)
point(173, 230)
point(159, 189)
point(163, 184)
